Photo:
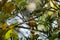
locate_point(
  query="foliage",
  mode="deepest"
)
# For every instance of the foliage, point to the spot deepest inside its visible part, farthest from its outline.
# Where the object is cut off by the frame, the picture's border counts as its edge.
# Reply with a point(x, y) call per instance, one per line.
point(46, 12)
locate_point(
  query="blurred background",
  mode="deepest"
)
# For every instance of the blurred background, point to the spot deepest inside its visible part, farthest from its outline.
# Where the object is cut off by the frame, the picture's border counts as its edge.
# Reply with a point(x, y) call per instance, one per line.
point(29, 19)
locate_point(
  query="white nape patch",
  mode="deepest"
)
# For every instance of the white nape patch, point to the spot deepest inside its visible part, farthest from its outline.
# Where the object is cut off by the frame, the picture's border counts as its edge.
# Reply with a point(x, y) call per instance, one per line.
point(0, 0)
point(31, 7)
point(9, 0)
